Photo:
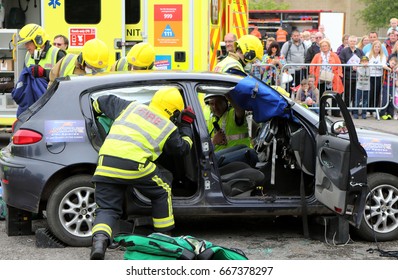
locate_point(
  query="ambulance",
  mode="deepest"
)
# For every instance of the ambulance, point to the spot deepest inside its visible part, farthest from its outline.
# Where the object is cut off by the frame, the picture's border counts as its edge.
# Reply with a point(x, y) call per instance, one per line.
point(186, 34)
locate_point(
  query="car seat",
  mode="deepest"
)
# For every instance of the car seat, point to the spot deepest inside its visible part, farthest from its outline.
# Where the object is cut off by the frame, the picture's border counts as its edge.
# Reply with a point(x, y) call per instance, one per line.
point(239, 179)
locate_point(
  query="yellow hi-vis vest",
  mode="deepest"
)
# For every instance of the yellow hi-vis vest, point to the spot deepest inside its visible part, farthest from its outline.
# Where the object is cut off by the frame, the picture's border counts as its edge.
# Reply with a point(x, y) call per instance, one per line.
point(122, 64)
point(235, 134)
point(47, 62)
point(139, 135)
point(68, 65)
point(231, 61)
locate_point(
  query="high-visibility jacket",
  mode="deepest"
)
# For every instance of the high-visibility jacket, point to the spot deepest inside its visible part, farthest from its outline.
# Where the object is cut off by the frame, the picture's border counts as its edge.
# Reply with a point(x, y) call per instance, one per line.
point(46, 62)
point(235, 134)
point(231, 61)
point(121, 65)
point(135, 140)
point(68, 65)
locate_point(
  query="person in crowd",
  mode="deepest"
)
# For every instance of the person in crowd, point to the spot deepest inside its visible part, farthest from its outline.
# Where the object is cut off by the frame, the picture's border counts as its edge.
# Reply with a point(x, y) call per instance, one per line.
point(294, 52)
point(390, 42)
point(344, 43)
point(350, 55)
point(327, 61)
point(307, 39)
point(321, 29)
point(281, 36)
point(268, 43)
point(376, 61)
point(394, 51)
point(363, 42)
point(94, 58)
point(140, 57)
point(373, 36)
point(393, 26)
point(60, 41)
point(128, 155)
point(312, 85)
point(312, 36)
point(274, 58)
point(256, 32)
point(314, 48)
point(363, 87)
point(306, 96)
point(390, 77)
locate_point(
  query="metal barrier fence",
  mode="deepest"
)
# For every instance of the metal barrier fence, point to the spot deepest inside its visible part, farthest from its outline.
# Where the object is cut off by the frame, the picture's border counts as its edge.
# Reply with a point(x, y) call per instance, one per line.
point(355, 79)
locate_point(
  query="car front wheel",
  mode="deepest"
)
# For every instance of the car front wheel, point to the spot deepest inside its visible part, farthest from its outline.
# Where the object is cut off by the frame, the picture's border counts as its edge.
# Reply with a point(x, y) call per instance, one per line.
point(380, 218)
point(70, 210)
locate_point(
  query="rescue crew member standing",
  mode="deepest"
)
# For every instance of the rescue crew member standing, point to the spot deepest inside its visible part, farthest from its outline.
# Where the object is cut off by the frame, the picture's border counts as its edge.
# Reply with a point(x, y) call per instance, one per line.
point(248, 48)
point(93, 59)
point(41, 56)
point(140, 57)
point(138, 136)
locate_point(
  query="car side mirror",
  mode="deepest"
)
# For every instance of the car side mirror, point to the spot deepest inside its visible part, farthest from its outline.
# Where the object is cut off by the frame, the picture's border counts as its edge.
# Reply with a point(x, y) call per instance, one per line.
point(339, 127)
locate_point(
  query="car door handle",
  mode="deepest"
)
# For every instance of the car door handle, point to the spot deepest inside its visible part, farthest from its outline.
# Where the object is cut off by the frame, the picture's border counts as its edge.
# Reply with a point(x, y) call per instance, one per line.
point(323, 159)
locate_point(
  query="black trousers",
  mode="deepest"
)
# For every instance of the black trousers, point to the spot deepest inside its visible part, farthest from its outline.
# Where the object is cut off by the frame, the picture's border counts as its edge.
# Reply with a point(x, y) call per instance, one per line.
point(110, 197)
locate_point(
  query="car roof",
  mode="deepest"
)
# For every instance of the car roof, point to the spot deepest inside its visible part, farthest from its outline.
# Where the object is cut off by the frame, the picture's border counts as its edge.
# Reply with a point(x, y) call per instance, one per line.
point(120, 77)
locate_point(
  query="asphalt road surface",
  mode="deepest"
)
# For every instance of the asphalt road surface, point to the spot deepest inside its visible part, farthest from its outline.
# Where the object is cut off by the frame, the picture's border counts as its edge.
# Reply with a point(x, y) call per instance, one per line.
point(258, 238)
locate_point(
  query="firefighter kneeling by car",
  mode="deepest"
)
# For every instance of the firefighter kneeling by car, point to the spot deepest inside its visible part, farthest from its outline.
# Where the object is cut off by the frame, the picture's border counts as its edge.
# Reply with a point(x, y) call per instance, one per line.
point(138, 136)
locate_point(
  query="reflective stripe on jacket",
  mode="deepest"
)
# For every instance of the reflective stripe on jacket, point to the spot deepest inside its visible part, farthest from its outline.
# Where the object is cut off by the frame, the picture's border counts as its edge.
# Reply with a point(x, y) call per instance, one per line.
point(47, 62)
point(235, 134)
point(68, 65)
point(231, 61)
point(138, 135)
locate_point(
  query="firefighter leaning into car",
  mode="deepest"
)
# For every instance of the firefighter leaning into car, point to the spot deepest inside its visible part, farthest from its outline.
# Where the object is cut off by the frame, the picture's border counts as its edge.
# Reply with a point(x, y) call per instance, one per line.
point(92, 59)
point(41, 55)
point(140, 57)
point(138, 136)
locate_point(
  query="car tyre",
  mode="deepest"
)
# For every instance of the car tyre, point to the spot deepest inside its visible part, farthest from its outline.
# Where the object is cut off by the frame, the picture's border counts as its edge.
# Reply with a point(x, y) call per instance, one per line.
point(380, 218)
point(70, 210)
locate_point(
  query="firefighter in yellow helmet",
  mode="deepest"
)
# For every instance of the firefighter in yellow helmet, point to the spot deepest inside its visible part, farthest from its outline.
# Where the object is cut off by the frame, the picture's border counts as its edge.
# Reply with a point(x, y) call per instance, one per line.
point(41, 56)
point(93, 58)
point(248, 48)
point(138, 136)
point(140, 57)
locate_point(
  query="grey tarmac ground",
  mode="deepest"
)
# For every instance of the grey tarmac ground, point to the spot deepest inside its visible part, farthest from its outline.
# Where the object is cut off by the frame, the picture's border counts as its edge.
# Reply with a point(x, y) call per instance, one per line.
point(259, 238)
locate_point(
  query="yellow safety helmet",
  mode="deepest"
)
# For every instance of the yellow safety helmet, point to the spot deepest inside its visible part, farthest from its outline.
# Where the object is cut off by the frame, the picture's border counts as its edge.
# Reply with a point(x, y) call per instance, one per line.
point(95, 53)
point(167, 101)
point(251, 47)
point(32, 32)
point(142, 55)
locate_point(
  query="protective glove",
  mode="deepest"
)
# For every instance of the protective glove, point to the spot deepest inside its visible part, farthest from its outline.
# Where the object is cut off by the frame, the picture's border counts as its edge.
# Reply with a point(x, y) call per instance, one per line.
point(187, 116)
point(38, 71)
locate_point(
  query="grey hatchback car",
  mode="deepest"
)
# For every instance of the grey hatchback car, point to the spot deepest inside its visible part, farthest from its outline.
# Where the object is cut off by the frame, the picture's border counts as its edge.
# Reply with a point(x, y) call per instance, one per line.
point(308, 164)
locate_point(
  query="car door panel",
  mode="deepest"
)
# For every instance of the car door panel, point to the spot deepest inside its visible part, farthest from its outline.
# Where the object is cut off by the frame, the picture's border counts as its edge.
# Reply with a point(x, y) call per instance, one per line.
point(340, 179)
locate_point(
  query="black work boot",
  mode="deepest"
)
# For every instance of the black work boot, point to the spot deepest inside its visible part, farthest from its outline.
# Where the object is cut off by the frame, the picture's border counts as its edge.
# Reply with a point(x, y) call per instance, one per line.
point(100, 243)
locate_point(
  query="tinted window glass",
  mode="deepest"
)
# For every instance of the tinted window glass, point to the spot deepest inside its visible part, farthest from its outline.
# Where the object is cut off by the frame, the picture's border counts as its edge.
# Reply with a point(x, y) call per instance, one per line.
point(82, 12)
point(133, 10)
